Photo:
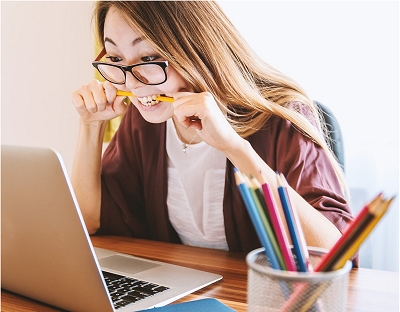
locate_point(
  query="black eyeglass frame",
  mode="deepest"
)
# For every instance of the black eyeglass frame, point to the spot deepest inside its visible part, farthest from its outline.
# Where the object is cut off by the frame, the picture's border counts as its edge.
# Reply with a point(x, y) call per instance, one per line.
point(128, 68)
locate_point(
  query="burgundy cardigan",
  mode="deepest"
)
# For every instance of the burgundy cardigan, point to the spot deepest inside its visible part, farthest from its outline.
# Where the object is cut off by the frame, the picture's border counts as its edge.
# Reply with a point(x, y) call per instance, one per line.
point(134, 181)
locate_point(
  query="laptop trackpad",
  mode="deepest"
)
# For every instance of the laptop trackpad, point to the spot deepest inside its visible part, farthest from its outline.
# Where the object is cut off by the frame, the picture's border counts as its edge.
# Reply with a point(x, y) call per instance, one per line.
point(126, 264)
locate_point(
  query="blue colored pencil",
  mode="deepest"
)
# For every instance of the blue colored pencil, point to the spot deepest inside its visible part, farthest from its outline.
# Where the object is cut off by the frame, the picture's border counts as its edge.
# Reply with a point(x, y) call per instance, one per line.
point(293, 230)
point(256, 220)
point(302, 239)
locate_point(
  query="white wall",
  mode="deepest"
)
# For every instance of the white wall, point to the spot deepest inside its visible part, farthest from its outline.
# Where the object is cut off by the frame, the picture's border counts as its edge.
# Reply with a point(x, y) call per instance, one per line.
point(46, 53)
point(344, 53)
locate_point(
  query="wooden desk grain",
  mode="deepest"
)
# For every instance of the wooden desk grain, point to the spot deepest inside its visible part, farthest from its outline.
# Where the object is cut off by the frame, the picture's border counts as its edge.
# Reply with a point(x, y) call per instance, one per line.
point(369, 290)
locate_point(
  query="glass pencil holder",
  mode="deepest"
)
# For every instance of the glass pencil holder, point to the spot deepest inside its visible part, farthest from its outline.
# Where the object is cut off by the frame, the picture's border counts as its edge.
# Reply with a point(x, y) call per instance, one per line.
point(269, 289)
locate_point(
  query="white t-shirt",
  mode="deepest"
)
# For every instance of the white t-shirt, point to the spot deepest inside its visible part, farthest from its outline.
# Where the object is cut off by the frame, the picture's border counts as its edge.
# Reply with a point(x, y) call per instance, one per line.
point(196, 181)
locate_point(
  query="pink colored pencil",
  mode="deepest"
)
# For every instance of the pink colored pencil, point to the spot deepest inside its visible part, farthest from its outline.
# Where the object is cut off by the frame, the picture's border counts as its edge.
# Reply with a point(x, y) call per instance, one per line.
point(278, 227)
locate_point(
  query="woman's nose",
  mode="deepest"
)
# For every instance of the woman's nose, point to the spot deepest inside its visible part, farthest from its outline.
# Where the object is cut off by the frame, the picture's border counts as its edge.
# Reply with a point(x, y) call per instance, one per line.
point(131, 82)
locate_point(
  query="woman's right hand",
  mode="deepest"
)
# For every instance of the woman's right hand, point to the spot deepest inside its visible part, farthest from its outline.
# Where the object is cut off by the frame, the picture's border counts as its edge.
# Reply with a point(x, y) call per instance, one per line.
point(98, 101)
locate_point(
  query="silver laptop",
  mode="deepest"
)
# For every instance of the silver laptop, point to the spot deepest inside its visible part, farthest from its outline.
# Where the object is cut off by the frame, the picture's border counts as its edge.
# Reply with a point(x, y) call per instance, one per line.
point(46, 252)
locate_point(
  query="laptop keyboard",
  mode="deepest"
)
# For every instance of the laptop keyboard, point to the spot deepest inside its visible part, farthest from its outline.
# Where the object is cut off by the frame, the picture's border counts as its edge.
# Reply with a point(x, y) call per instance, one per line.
point(125, 290)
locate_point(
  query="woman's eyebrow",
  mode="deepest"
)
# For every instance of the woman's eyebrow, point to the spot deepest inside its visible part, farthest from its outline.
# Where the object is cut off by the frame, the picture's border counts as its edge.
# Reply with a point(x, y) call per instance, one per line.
point(134, 42)
point(106, 39)
point(137, 40)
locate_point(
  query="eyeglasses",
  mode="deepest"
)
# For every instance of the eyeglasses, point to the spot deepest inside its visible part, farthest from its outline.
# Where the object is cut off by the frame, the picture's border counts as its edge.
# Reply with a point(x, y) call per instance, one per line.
point(149, 73)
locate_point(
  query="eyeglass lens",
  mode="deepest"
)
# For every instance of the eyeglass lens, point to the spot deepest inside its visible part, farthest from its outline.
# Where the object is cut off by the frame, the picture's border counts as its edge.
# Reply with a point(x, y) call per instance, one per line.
point(145, 73)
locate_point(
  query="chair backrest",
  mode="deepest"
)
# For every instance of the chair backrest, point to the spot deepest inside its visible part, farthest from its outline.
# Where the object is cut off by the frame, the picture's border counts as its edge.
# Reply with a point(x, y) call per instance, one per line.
point(334, 132)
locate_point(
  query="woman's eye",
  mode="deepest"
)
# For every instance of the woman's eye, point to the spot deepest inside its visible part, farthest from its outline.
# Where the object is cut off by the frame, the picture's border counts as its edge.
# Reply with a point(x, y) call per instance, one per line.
point(114, 59)
point(149, 58)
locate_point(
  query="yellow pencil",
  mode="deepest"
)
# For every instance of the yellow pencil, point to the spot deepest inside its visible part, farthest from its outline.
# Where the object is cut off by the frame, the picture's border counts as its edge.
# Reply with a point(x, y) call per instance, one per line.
point(159, 98)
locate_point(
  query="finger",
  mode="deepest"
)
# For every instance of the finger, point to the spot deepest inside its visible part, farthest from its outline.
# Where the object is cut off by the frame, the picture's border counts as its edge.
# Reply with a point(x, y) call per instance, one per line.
point(185, 115)
point(99, 102)
point(194, 123)
point(186, 109)
point(181, 94)
point(78, 102)
point(110, 92)
point(119, 106)
point(190, 122)
point(89, 102)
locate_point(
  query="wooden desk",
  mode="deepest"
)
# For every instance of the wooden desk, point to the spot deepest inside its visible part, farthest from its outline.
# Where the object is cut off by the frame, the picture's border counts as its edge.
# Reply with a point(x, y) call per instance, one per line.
point(369, 290)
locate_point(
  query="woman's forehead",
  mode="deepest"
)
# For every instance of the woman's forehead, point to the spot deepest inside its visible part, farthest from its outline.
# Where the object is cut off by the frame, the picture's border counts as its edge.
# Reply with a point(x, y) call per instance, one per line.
point(116, 26)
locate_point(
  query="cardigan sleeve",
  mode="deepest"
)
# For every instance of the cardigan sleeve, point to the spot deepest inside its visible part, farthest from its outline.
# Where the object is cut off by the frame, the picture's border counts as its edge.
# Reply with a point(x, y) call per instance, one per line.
point(122, 202)
point(306, 167)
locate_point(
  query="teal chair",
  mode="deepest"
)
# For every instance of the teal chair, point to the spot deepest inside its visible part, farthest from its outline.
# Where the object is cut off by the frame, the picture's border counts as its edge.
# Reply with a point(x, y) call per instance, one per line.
point(334, 132)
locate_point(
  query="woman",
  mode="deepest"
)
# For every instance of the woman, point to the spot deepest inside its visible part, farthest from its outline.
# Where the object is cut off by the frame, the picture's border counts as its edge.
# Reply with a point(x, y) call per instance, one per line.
point(168, 172)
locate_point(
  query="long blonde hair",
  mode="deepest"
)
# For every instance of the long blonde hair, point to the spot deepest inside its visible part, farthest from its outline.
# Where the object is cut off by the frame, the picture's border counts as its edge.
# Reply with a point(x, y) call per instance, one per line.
point(202, 44)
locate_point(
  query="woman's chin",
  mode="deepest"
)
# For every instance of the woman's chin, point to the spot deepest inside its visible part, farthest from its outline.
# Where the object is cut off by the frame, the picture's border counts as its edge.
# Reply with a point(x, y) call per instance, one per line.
point(157, 113)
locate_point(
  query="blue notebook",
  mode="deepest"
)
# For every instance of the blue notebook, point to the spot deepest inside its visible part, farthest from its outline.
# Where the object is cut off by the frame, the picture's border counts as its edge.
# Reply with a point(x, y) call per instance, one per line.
point(201, 305)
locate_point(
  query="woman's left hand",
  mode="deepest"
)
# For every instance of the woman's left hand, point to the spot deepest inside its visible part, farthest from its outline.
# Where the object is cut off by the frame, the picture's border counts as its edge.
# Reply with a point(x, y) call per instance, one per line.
point(200, 111)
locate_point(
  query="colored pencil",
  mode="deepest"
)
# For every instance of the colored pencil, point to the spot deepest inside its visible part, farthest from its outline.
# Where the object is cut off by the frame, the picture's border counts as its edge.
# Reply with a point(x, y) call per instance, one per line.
point(299, 244)
point(254, 187)
point(354, 228)
point(292, 226)
point(302, 240)
point(159, 98)
point(256, 220)
point(258, 190)
point(352, 238)
point(378, 212)
point(278, 227)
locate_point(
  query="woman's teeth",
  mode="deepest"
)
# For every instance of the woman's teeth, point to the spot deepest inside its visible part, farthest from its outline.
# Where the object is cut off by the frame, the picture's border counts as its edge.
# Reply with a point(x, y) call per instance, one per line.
point(149, 100)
